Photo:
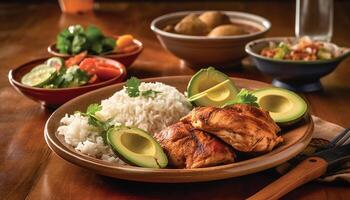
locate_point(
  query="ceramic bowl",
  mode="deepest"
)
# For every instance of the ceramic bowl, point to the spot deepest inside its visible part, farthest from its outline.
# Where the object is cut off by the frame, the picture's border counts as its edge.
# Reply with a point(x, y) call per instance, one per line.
point(53, 98)
point(199, 51)
point(303, 76)
point(125, 58)
point(295, 138)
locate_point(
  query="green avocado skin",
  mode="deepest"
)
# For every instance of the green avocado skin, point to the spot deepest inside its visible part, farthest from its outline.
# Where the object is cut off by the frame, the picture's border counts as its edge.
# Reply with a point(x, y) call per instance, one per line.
point(209, 76)
point(298, 107)
point(160, 160)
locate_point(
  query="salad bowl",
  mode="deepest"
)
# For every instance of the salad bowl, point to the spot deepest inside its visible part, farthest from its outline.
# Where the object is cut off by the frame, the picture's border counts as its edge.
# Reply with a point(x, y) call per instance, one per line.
point(54, 97)
point(126, 58)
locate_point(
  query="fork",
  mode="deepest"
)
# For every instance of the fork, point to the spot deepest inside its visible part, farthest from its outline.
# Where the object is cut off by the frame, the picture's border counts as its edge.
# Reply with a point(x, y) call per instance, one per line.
point(341, 139)
point(284, 185)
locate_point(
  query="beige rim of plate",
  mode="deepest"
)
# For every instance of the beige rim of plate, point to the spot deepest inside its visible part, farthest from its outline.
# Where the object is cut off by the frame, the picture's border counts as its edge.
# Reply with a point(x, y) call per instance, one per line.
point(296, 139)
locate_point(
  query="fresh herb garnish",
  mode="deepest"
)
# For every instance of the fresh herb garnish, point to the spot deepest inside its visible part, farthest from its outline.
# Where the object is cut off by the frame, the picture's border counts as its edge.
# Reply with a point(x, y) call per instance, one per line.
point(150, 93)
point(71, 77)
point(243, 97)
point(132, 88)
point(75, 39)
point(93, 108)
point(90, 113)
point(94, 121)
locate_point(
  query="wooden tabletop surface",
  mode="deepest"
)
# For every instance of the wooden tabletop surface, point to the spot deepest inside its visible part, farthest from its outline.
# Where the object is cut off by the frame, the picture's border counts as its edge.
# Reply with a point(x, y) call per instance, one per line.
point(28, 168)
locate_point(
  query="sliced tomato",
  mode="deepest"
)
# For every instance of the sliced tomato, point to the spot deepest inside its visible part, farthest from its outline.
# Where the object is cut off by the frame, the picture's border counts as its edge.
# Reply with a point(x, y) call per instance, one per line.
point(88, 65)
point(75, 60)
point(103, 64)
point(99, 69)
point(94, 79)
point(106, 73)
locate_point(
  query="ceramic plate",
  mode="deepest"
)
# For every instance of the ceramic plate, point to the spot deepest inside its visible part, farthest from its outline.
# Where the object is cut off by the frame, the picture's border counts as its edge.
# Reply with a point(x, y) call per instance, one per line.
point(296, 140)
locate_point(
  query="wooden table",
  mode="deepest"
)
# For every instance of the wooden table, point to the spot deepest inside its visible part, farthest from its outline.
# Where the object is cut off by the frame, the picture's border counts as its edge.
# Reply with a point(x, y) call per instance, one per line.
point(28, 169)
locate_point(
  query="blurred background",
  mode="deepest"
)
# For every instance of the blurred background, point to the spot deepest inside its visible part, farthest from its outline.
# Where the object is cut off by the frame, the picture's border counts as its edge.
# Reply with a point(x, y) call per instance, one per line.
point(40, 20)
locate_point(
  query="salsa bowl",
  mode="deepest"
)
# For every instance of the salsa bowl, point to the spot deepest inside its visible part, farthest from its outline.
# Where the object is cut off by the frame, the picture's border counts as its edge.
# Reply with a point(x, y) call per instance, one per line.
point(294, 75)
point(55, 97)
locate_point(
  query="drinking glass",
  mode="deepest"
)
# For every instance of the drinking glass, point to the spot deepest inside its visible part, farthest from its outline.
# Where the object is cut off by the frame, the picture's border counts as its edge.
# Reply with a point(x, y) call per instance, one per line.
point(314, 18)
point(76, 6)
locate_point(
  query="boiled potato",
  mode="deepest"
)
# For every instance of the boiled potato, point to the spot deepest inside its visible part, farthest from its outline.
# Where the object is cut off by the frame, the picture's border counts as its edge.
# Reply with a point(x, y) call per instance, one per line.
point(169, 28)
point(191, 25)
point(227, 30)
point(214, 19)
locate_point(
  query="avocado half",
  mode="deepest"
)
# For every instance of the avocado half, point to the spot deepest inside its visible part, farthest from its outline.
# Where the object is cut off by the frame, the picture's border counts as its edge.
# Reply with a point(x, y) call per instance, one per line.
point(136, 147)
point(285, 107)
point(209, 87)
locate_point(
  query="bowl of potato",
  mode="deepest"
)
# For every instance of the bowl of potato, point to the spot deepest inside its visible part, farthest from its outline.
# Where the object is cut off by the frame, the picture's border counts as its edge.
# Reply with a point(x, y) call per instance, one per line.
point(215, 38)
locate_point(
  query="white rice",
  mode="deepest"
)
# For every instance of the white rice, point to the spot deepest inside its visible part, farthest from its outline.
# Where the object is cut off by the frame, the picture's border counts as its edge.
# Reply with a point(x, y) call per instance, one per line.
point(150, 114)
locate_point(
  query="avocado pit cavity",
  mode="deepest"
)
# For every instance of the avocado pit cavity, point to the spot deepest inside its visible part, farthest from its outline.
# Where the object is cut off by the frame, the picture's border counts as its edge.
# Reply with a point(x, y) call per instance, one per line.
point(285, 107)
point(275, 103)
point(137, 144)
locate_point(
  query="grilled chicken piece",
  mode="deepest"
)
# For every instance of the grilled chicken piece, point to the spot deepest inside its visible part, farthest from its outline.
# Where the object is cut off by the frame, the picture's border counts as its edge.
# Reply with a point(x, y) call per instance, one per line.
point(187, 147)
point(244, 127)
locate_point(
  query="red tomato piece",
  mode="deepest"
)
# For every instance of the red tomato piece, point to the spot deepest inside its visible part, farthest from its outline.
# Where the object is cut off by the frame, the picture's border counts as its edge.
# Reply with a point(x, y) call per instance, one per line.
point(75, 60)
point(88, 65)
point(99, 69)
point(106, 73)
point(103, 64)
point(94, 79)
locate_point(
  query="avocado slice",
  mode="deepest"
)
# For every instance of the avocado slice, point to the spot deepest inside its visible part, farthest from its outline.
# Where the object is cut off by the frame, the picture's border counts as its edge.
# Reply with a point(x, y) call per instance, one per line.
point(136, 147)
point(209, 87)
point(285, 107)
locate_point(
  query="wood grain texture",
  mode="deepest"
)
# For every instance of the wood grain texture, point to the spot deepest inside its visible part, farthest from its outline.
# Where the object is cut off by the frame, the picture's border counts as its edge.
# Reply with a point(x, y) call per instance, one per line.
point(29, 169)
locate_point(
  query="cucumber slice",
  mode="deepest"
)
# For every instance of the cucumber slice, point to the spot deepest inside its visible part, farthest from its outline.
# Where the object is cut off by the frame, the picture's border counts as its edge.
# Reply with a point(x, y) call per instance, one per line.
point(323, 54)
point(55, 62)
point(39, 67)
point(39, 76)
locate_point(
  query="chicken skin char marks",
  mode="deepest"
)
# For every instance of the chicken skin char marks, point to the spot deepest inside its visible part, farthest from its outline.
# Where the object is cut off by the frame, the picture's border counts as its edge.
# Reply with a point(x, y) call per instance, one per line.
point(246, 128)
point(187, 147)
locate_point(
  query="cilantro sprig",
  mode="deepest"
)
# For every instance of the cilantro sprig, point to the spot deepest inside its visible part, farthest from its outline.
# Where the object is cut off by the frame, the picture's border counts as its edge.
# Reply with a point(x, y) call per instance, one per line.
point(243, 97)
point(132, 88)
point(68, 77)
point(93, 108)
point(94, 121)
point(150, 93)
point(76, 39)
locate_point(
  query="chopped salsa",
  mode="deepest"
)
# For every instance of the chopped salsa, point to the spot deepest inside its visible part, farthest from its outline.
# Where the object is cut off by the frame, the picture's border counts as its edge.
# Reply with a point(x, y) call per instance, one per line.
point(303, 49)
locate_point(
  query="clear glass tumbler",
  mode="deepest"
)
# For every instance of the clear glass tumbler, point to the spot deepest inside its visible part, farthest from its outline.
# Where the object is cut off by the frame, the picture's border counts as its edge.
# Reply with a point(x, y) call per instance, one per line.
point(314, 18)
